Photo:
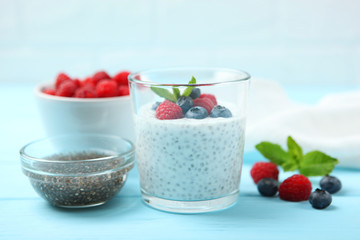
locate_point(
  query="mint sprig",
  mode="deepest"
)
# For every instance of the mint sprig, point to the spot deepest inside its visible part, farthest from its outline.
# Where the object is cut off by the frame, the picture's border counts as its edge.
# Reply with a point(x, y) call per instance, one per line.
point(175, 95)
point(313, 163)
point(164, 93)
point(188, 90)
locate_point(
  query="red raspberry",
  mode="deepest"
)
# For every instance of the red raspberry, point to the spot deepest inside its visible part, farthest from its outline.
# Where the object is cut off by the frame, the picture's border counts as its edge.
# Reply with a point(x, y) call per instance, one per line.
point(108, 80)
point(77, 82)
point(106, 88)
point(123, 90)
point(66, 89)
point(100, 76)
point(88, 81)
point(206, 103)
point(212, 97)
point(122, 78)
point(262, 170)
point(168, 110)
point(49, 91)
point(62, 77)
point(85, 92)
point(295, 188)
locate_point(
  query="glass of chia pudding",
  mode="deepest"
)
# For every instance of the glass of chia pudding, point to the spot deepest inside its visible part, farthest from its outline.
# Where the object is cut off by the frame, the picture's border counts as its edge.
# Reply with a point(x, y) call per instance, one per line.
point(190, 125)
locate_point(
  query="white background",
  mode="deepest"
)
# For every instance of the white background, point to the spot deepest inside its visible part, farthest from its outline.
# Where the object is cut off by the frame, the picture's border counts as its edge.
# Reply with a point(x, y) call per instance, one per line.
point(289, 41)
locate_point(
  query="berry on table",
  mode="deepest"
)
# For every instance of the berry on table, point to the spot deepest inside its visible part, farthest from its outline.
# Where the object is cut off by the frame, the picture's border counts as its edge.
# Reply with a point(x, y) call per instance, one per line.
point(220, 111)
point(267, 187)
point(195, 93)
point(295, 188)
point(330, 183)
point(262, 170)
point(212, 97)
point(205, 103)
point(106, 88)
point(185, 103)
point(122, 78)
point(196, 113)
point(168, 110)
point(61, 77)
point(320, 199)
point(123, 90)
point(66, 89)
point(100, 76)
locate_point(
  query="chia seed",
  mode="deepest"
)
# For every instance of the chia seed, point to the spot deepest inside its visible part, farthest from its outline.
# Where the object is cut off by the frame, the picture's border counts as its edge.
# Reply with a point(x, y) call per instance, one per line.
point(79, 184)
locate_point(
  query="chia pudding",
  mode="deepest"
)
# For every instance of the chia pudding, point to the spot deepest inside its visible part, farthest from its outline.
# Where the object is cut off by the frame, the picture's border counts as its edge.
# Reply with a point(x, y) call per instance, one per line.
point(189, 159)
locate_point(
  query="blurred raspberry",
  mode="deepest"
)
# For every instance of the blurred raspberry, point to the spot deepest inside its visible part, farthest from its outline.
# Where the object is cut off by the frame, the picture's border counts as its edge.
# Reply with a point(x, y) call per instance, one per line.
point(206, 103)
point(107, 88)
point(62, 77)
point(123, 90)
point(88, 81)
point(168, 110)
point(66, 89)
point(77, 82)
point(49, 91)
point(295, 188)
point(122, 78)
point(100, 76)
point(210, 96)
point(85, 92)
point(262, 170)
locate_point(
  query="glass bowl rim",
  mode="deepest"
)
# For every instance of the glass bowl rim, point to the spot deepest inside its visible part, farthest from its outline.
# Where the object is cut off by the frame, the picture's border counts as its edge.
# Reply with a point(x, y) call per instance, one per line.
point(132, 78)
point(126, 154)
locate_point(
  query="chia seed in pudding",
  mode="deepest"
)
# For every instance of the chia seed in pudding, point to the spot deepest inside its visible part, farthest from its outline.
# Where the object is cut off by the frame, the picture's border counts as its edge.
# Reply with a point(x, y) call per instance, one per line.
point(80, 184)
point(189, 159)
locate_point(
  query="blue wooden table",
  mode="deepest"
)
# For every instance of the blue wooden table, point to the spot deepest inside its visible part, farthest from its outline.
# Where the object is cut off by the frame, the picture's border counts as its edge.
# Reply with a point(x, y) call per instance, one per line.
point(24, 215)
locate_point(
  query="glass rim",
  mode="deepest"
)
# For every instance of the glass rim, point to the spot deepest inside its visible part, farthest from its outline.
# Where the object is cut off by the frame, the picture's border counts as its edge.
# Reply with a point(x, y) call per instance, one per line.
point(132, 78)
point(126, 154)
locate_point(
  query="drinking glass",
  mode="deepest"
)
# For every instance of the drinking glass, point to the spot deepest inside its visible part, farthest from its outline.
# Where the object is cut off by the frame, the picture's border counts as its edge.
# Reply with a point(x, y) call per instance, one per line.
point(185, 164)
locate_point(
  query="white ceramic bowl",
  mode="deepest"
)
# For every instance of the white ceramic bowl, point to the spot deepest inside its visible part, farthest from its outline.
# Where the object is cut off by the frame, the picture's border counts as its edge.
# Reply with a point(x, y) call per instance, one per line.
point(63, 115)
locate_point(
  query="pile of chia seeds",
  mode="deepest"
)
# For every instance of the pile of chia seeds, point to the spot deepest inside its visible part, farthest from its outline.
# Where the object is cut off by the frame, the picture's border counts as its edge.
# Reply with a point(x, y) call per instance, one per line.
point(82, 184)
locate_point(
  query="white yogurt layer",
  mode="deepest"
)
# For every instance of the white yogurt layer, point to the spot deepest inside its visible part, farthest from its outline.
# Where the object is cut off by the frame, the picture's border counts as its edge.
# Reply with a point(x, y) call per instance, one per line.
point(189, 159)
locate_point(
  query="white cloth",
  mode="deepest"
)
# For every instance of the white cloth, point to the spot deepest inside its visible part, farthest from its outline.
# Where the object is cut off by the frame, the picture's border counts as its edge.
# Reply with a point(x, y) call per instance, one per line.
point(331, 126)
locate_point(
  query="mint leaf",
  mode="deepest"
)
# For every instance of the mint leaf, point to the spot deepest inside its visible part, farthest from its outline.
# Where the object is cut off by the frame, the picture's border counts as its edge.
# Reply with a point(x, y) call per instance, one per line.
point(188, 90)
point(313, 163)
point(290, 165)
point(164, 93)
point(176, 92)
point(295, 151)
point(317, 163)
point(273, 152)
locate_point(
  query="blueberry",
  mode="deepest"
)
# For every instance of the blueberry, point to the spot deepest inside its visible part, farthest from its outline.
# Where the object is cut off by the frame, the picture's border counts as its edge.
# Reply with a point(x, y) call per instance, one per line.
point(155, 105)
point(195, 93)
point(330, 184)
point(320, 199)
point(197, 113)
point(267, 187)
point(185, 103)
point(220, 111)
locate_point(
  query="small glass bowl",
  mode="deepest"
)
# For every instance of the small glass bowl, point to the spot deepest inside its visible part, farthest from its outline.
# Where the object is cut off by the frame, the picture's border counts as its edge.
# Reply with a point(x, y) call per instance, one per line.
point(76, 171)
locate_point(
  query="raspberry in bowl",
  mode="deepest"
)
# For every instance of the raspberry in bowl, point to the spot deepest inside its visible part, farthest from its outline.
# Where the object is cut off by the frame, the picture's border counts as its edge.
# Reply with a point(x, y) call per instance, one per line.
point(98, 104)
point(189, 137)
